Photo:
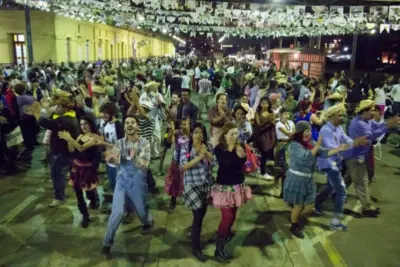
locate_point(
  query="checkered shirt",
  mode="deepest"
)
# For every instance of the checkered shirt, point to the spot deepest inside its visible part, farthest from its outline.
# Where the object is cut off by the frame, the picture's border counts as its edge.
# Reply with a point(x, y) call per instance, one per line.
point(205, 87)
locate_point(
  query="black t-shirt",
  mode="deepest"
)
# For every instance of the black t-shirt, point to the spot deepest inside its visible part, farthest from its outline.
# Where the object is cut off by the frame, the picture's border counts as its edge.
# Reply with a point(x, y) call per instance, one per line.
point(230, 171)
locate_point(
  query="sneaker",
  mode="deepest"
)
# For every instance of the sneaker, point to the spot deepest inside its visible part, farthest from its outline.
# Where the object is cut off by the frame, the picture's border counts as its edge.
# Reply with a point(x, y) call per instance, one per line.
point(55, 203)
point(339, 227)
point(373, 213)
point(147, 228)
point(318, 211)
point(267, 177)
point(297, 232)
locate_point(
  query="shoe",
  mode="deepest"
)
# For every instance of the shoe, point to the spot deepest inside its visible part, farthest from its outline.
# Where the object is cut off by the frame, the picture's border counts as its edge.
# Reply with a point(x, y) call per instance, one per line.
point(85, 222)
point(105, 251)
point(296, 231)
point(55, 203)
point(374, 199)
point(147, 228)
point(338, 227)
point(267, 177)
point(154, 191)
point(200, 256)
point(220, 253)
point(372, 213)
point(128, 218)
point(318, 211)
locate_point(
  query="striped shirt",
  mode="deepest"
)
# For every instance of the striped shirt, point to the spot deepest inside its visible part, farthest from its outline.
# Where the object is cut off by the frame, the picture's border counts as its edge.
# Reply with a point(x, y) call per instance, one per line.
point(146, 127)
point(205, 87)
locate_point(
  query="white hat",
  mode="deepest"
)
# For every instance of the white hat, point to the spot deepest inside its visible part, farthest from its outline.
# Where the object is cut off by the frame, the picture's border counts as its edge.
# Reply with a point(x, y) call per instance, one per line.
point(231, 70)
point(145, 104)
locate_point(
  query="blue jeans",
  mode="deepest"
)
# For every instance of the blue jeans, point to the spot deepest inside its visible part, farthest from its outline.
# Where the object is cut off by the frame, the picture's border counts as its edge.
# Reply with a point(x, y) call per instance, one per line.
point(131, 184)
point(59, 167)
point(112, 176)
point(335, 184)
point(231, 102)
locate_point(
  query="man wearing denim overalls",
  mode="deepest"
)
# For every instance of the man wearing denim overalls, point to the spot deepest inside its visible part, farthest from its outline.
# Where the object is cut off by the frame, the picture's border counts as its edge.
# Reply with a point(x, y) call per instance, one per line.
point(132, 155)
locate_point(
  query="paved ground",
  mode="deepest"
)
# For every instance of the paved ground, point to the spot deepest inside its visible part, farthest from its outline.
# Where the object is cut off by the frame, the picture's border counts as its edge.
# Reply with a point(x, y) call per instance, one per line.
point(31, 234)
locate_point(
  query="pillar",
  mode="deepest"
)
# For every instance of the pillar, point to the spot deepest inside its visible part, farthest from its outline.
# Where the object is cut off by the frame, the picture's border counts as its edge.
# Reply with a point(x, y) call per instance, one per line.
point(353, 52)
point(280, 42)
point(28, 33)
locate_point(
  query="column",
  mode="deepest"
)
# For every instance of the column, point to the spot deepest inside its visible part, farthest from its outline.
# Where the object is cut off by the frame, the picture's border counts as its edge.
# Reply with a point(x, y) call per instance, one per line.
point(28, 33)
point(353, 52)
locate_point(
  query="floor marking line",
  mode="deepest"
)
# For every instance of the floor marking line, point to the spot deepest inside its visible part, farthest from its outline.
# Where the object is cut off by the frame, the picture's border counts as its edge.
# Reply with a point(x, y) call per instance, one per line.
point(18, 209)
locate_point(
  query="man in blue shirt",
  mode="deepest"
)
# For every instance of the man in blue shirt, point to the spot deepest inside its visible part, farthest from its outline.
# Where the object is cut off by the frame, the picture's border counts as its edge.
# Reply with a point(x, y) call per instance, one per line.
point(363, 125)
point(332, 136)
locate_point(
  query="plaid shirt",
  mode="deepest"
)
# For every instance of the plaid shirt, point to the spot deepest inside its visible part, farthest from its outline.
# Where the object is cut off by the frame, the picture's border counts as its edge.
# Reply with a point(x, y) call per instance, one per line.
point(199, 174)
point(139, 152)
point(205, 87)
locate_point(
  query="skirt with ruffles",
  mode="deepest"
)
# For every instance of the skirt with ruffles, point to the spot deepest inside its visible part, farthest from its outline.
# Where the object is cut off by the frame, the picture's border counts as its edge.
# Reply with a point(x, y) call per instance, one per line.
point(84, 175)
point(173, 185)
point(229, 196)
point(299, 190)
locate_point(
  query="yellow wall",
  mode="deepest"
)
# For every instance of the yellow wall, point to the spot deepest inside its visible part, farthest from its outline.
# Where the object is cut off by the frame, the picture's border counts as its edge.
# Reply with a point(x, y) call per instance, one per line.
point(53, 36)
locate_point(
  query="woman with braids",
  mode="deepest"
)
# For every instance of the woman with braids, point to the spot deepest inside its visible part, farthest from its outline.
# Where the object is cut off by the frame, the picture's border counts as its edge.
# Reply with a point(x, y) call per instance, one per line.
point(196, 162)
point(230, 190)
point(84, 168)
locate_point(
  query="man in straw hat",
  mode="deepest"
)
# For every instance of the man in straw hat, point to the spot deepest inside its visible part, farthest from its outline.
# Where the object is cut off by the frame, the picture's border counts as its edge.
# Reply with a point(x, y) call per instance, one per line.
point(205, 89)
point(64, 119)
point(363, 125)
point(333, 135)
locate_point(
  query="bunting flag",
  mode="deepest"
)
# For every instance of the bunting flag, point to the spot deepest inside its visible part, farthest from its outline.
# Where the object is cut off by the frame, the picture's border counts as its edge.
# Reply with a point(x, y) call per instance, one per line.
point(239, 19)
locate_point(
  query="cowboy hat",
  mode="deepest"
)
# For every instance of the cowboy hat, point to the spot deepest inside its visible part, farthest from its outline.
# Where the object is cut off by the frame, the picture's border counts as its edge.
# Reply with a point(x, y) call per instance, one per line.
point(99, 90)
point(364, 104)
point(335, 109)
point(60, 93)
point(205, 74)
point(279, 75)
point(62, 98)
point(249, 76)
point(152, 84)
point(336, 96)
point(145, 104)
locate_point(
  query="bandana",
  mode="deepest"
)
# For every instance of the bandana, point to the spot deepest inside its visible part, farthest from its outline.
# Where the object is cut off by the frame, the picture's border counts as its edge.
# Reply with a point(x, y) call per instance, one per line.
point(70, 113)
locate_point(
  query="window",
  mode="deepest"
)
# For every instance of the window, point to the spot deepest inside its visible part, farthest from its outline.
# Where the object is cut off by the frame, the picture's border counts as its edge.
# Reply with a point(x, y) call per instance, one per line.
point(68, 46)
point(100, 49)
point(19, 47)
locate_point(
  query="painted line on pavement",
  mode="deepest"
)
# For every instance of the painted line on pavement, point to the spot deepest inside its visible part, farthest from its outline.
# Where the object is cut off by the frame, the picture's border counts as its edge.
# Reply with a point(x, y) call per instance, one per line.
point(18, 209)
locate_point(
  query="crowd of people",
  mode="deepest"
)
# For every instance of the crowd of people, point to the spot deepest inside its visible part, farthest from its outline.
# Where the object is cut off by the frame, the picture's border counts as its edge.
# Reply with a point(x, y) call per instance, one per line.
point(229, 115)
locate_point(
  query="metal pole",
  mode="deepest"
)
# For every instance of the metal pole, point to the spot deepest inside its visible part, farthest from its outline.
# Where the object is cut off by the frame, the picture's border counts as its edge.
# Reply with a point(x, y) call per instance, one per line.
point(295, 42)
point(28, 33)
point(319, 42)
point(353, 52)
point(280, 42)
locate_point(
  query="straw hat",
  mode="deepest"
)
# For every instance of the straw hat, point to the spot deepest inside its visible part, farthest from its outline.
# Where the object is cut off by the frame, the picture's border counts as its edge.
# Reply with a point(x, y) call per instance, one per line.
point(99, 90)
point(231, 70)
point(335, 109)
point(249, 76)
point(364, 104)
point(152, 84)
point(336, 96)
point(245, 106)
point(145, 104)
point(62, 98)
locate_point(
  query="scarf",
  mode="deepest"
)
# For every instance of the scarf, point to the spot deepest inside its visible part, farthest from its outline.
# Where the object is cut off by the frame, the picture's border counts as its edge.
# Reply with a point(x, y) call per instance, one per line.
point(70, 113)
point(307, 144)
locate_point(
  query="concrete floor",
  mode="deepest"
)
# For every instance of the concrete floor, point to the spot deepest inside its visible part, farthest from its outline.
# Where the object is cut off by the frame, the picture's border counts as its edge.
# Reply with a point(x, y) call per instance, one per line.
point(31, 234)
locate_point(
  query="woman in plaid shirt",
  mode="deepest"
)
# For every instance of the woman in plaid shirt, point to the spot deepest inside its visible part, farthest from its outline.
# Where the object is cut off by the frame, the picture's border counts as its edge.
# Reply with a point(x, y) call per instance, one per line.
point(196, 162)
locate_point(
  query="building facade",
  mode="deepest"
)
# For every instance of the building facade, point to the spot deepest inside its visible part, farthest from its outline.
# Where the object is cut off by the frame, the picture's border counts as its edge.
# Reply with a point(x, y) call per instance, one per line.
point(62, 39)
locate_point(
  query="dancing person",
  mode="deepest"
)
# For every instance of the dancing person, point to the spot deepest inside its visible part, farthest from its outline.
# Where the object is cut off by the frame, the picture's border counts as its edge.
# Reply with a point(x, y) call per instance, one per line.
point(132, 156)
point(196, 161)
point(84, 170)
point(357, 158)
point(299, 189)
point(333, 135)
point(265, 134)
point(218, 116)
point(230, 190)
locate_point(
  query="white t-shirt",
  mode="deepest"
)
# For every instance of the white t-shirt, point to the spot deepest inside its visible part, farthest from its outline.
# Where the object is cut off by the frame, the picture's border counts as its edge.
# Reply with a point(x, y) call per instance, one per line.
point(380, 96)
point(279, 134)
point(110, 136)
point(185, 82)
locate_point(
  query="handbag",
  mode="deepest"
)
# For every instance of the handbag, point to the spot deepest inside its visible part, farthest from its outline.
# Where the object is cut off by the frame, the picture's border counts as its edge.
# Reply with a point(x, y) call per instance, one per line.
point(14, 137)
point(252, 163)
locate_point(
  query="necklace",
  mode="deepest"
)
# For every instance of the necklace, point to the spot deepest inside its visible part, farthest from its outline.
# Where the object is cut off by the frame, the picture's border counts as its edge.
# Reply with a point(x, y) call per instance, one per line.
point(287, 126)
